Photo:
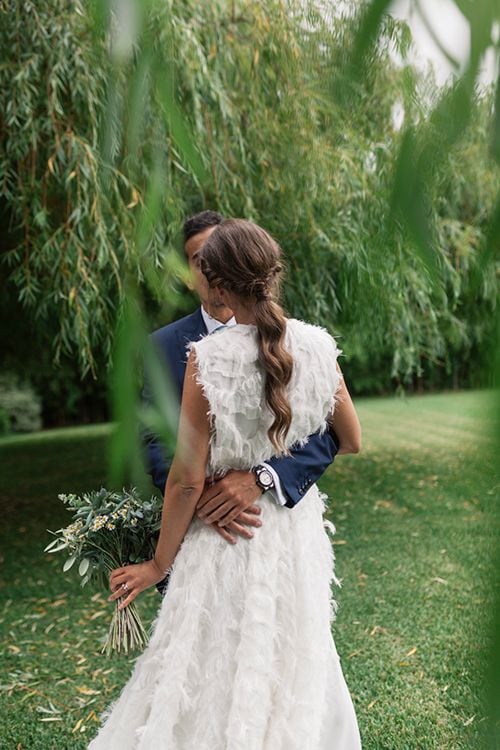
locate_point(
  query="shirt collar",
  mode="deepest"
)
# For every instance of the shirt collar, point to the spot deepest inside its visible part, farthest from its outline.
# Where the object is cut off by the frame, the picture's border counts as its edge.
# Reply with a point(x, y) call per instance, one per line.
point(212, 323)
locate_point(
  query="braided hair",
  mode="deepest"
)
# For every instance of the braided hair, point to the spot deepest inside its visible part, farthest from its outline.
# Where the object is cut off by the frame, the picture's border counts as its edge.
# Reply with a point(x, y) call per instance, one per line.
point(243, 258)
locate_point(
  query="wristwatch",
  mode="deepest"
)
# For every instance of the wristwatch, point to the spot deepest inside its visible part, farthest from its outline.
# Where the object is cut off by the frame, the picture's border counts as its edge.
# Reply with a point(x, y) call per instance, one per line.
point(263, 478)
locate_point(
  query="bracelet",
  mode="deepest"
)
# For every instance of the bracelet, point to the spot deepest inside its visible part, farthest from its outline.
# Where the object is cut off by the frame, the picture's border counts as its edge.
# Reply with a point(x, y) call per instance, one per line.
point(162, 572)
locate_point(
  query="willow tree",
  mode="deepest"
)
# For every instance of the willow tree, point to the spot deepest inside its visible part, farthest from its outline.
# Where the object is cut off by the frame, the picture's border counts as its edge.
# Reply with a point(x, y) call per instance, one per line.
point(111, 134)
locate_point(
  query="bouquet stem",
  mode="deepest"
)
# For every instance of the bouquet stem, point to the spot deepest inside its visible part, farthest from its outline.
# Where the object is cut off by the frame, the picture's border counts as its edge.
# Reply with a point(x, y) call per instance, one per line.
point(126, 631)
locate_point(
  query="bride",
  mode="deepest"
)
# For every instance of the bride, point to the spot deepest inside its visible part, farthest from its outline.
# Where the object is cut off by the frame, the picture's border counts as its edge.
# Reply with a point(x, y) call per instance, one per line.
point(241, 655)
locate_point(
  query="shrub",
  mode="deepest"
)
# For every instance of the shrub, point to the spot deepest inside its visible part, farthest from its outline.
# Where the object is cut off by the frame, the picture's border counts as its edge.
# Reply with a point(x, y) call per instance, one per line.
point(20, 407)
point(4, 423)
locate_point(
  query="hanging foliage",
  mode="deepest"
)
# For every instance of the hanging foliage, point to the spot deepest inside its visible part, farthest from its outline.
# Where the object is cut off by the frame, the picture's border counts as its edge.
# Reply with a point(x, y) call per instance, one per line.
point(112, 133)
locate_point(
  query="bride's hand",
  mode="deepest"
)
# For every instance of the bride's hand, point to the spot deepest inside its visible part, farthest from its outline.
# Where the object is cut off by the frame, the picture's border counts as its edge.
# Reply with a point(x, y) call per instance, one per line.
point(130, 580)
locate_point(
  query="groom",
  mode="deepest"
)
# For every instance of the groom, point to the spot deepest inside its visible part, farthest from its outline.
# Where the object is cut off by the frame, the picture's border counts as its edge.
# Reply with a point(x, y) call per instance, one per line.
point(232, 499)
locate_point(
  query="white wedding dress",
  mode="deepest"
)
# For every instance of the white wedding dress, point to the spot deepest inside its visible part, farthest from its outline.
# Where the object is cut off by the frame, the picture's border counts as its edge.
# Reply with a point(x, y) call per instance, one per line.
point(241, 655)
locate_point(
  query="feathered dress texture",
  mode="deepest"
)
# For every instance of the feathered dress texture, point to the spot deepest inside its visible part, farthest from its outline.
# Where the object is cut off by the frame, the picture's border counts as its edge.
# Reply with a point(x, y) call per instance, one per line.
point(241, 655)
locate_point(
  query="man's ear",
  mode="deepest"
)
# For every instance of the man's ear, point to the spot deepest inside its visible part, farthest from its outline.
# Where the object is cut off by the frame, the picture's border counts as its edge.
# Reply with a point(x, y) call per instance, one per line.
point(220, 295)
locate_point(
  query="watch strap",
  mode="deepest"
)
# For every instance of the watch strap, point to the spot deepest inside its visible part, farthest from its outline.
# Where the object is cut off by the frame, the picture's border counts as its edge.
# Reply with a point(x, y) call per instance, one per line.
point(264, 486)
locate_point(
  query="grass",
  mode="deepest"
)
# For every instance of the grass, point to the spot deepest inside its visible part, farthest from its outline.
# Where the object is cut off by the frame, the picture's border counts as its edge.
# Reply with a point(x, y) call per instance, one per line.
point(415, 536)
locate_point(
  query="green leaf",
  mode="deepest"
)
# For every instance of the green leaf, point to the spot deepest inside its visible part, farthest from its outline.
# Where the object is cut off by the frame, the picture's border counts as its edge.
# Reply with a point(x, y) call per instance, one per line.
point(69, 563)
point(84, 566)
point(58, 548)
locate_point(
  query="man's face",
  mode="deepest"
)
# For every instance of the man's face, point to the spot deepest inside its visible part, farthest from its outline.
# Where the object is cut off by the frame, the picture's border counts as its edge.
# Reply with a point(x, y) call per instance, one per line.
point(192, 248)
point(207, 296)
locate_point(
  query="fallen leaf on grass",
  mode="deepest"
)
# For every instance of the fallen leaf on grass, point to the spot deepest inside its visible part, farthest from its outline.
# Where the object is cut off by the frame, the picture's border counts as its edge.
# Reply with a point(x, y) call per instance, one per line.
point(63, 681)
point(437, 579)
point(469, 721)
point(87, 691)
point(84, 702)
point(29, 695)
point(51, 718)
point(387, 504)
point(362, 579)
point(99, 614)
point(51, 710)
point(58, 602)
point(371, 704)
point(411, 651)
point(77, 726)
point(354, 653)
point(377, 629)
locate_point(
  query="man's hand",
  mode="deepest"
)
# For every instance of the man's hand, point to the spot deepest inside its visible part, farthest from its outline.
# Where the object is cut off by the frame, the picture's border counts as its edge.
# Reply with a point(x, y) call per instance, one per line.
point(240, 526)
point(223, 501)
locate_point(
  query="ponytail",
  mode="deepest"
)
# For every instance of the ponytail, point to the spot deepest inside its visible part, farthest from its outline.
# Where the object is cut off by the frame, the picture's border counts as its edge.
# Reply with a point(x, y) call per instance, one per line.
point(278, 366)
point(242, 257)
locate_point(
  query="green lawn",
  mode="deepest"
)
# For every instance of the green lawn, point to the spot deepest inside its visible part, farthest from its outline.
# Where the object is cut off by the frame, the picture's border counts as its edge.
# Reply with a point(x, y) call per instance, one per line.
point(414, 546)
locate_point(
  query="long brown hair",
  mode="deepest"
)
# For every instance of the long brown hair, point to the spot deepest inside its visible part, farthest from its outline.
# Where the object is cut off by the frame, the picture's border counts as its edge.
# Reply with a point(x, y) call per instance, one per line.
point(243, 258)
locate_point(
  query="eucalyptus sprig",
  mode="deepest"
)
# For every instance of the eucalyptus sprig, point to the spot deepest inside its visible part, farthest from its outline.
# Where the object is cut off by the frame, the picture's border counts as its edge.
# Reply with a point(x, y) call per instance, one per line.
point(110, 529)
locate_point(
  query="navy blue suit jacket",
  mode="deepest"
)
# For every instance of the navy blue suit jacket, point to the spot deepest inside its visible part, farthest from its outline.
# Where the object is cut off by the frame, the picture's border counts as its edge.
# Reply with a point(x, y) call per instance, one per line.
point(296, 472)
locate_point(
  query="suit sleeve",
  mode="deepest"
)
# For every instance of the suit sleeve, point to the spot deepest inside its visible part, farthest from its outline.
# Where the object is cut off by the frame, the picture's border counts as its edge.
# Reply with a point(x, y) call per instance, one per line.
point(156, 455)
point(305, 466)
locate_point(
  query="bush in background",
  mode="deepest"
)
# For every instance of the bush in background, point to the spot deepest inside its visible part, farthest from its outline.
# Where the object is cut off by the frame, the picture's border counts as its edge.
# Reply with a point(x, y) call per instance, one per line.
point(20, 407)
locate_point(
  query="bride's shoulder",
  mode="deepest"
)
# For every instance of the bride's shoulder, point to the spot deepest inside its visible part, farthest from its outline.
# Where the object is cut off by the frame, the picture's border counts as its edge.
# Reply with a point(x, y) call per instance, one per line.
point(310, 335)
point(227, 348)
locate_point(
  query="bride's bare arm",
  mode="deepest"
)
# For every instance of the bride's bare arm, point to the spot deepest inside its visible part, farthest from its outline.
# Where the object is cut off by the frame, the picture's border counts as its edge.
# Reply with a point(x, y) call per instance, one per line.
point(345, 420)
point(186, 478)
point(185, 484)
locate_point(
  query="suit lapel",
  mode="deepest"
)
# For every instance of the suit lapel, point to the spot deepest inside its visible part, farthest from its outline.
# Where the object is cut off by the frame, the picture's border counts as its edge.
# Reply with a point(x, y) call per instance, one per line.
point(193, 330)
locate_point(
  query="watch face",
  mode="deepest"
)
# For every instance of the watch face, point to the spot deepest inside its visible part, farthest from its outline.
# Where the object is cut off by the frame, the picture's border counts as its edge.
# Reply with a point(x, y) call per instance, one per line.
point(265, 478)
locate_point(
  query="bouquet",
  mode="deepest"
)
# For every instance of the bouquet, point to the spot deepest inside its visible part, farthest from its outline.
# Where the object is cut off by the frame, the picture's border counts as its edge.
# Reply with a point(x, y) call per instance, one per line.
point(110, 529)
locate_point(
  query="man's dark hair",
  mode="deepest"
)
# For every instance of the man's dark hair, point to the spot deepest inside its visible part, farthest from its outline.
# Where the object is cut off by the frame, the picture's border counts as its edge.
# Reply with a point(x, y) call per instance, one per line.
point(199, 222)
